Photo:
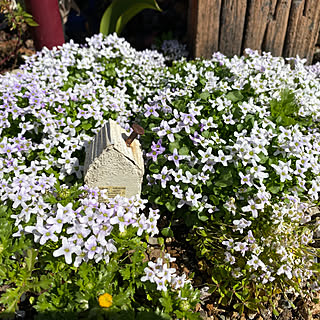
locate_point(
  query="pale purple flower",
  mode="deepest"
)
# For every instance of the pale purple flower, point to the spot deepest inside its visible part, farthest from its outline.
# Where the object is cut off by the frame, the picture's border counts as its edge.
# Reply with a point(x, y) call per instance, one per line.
point(151, 110)
point(176, 191)
point(179, 282)
point(192, 197)
point(175, 157)
point(241, 224)
point(67, 249)
point(245, 179)
point(241, 246)
point(167, 131)
point(47, 234)
point(122, 218)
point(164, 176)
point(92, 247)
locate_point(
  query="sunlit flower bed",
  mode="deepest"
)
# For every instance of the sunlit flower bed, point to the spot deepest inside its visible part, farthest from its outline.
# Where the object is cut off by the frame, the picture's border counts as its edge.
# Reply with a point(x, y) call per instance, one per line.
point(231, 151)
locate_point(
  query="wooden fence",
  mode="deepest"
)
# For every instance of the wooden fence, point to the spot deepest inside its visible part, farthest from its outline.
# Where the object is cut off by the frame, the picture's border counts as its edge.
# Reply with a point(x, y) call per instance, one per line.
point(283, 27)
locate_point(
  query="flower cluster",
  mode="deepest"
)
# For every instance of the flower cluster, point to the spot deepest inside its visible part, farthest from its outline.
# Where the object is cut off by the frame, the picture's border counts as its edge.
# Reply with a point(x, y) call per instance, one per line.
point(162, 275)
point(236, 141)
point(233, 147)
point(87, 230)
point(49, 112)
point(173, 50)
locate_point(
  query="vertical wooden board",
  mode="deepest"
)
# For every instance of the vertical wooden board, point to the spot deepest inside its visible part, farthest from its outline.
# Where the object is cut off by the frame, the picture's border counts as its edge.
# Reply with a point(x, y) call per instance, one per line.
point(192, 24)
point(312, 13)
point(204, 30)
point(232, 26)
point(277, 27)
point(210, 36)
point(304, 20)
point(256, 23)
point(292, 35)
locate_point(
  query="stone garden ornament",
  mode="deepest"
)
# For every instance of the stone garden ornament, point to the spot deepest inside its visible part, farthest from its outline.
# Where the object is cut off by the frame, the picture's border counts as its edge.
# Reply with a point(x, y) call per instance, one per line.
point(114, 161)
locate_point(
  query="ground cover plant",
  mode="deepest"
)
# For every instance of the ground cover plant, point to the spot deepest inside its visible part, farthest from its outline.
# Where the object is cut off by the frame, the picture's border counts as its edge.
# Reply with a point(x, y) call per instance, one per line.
point(231, 153)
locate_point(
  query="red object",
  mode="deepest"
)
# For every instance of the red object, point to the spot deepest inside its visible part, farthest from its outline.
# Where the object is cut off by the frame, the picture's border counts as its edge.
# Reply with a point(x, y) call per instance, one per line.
point(46, 13)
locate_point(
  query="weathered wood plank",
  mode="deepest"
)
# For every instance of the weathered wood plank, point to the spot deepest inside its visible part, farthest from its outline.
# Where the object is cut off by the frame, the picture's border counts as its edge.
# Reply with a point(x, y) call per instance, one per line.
point(232, 26)
point(203, 26)
point(303, 28)
point(283, 27)
point(292, 44)
point(192, 24)
point(256, 23)
point(277, 27)
point(312, 13)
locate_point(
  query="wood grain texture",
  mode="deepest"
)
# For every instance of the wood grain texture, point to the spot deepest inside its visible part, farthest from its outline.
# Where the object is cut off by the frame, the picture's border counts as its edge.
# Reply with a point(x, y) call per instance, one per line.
point(313, 27)
point(283, 27)
point(292, 44)
point(203, 26)
point(303, 28)
point(258, 12)
point(277, 28)
point(232, 26)
point(192, 24)
point(311, 17)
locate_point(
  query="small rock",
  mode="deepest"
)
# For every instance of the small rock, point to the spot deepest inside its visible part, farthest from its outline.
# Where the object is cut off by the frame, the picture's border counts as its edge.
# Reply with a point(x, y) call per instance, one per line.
point(153, 241)
point(20, 314)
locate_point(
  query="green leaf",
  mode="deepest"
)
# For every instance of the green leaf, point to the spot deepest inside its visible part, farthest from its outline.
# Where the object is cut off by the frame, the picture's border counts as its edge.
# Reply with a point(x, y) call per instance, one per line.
point(285, 110)
point(2, 272)
point(10, 299)
point(31, 259)
point(249, 118)
point(121, 299)
point(31, 22)
point(225, 179)
point(3, 210)
point(153, 168)
point(202, 218)
point(204, 95)
point(167, 232)
point(273, 188)
point(214, 199)
point(239, 307)
point(86, 126)
point(234, 96)
point(120, 12)
point(221, 183)
point(206, 134)
point(184, 151)
point(171, 206)
point(275, 312)
point(144, 315)
point(125, 272)
point(173, 145)
point(158, 200)
point(166, 302)
point(239, 296)
point(263, 158)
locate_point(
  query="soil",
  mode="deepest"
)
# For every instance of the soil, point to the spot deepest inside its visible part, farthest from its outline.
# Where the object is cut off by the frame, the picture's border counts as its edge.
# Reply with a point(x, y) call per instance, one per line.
point(13, 48)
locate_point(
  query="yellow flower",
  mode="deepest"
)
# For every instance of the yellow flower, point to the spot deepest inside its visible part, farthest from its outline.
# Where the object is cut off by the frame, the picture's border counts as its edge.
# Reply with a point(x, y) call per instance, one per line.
point(105, 300)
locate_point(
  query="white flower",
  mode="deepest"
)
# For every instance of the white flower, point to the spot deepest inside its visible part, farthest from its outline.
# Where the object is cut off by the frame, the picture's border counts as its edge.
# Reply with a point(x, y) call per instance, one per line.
point(222, 158)
point(285, 269)
point(255, 262)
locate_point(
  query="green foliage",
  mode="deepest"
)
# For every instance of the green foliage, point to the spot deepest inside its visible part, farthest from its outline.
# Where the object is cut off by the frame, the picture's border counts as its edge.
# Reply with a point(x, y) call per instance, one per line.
point(285, 110)
point(120, 12)
point(244, 232)
point(16, 17)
